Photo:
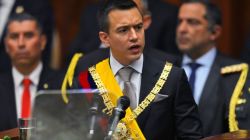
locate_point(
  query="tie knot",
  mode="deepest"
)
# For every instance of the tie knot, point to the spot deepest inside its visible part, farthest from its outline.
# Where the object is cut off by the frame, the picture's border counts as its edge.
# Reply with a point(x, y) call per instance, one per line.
point(26, 81)
point(125, 73)
point(194, 65)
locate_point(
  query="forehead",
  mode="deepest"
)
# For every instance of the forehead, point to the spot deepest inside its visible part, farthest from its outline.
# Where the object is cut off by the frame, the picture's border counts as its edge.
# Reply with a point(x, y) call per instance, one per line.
point(139, 4)
point(124, 17)
point(22, 26)
point(192, 10)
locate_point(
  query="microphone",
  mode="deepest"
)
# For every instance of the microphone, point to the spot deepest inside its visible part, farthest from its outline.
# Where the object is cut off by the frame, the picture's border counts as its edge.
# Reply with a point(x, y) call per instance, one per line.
point(93, 112)
point(118, 113)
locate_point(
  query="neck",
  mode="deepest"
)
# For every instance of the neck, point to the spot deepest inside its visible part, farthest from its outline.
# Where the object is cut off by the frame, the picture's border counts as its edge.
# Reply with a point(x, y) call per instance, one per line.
point(197, 54)
point(26, 70)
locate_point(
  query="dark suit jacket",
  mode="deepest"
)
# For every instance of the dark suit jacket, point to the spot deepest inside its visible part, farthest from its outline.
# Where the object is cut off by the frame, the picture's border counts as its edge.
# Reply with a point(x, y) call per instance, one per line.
point(7, 95)
point(160, 34)
point(42, 10)
point(175, 116)
point(211, 108)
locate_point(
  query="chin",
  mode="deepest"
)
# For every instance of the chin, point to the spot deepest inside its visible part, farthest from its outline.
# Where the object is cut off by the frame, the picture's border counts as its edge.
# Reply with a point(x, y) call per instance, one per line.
point(184, 48)
point(135, 57)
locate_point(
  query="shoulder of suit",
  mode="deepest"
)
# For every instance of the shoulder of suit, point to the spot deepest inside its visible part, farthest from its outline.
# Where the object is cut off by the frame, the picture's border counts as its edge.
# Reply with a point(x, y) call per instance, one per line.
point(234, 68)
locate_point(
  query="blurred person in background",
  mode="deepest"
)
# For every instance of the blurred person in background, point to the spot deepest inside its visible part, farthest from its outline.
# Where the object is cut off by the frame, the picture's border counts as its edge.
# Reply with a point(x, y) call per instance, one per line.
point(198, 29)
point(24, 44)
point(41, 9)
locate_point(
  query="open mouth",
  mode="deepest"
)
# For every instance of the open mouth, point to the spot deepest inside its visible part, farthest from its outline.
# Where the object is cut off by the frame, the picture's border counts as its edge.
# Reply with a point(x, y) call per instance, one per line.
point(135, 48)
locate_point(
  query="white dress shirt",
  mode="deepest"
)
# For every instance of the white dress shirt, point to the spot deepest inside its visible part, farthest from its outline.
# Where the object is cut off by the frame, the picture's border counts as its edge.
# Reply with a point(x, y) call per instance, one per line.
point(18, 78)
point(202, 72)
point(135, 78)
point(5, 9)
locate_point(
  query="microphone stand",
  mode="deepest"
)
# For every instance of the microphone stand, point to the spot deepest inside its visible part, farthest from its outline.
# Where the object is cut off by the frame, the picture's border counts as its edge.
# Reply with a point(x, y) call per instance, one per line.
point(118, 113)
point(93, 113)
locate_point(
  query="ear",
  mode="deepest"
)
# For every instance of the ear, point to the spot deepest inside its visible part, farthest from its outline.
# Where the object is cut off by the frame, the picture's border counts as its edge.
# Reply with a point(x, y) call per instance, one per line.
point(147, 20)
point(104, 37)
point(216, 32)
point(43, 42)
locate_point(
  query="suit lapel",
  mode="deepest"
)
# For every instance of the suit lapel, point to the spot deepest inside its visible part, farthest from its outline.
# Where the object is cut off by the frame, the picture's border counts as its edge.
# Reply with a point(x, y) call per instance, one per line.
point(209, 101)
point(211, 85)
point(150, 75)
point(46, 76)
point(10, 98)
point(42, 79)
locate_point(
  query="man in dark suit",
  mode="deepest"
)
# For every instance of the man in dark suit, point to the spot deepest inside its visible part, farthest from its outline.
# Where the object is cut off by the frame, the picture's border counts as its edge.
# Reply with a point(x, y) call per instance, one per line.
point(198, 29)
point(42, 10)
point(162, 106)
point(24, 44)
point(160, 16)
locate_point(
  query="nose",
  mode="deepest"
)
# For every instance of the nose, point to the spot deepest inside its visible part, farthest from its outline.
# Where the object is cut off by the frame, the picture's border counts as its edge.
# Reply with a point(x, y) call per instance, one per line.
point(133, 35)
point(182, 27)
point(20, 41)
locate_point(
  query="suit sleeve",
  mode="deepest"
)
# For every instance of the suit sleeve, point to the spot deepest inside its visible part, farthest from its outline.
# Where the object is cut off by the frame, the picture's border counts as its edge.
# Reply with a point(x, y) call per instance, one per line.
point(187, 120)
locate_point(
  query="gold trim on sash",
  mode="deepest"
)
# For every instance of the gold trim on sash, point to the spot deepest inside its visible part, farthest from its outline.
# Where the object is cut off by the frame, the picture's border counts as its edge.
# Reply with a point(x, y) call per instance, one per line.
point(233, 124)
point(104, 79)
point(68, 79)
point(151, 96)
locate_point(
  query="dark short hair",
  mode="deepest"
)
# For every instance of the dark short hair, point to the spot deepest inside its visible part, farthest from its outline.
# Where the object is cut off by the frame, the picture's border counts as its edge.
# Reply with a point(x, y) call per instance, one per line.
point(213, 13)
point(19, 17)
point(110, 5)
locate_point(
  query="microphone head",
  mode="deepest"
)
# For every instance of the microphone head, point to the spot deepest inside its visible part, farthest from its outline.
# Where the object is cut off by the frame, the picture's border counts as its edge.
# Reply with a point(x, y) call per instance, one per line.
point(123, 102)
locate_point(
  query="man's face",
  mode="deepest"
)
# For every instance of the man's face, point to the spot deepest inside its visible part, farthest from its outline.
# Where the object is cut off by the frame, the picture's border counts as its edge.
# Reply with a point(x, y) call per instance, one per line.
point(24, 43)
point(193, 35)
point(125, 36)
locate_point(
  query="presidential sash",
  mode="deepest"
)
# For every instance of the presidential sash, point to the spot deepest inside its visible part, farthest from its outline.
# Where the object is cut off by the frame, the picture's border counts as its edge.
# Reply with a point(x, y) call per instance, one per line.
point(111, 91)
point(103, 78)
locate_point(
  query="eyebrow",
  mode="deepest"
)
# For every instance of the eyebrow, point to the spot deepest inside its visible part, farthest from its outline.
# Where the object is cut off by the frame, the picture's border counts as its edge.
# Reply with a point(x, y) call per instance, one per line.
point(126, 26)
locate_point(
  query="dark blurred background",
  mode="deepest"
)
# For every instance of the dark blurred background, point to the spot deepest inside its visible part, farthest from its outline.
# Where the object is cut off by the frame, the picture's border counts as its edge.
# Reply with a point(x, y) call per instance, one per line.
point(236, 25)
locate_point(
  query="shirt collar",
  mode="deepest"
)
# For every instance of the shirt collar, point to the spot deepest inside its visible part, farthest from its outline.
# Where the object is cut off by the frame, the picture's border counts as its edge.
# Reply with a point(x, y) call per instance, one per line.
point(116, 66)
point(34, 76)
point(205, 60)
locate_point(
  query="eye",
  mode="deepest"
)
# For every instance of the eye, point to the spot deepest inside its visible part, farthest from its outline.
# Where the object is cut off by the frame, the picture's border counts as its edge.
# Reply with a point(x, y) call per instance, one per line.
point(179, 21)
point(123, 30)
point(138, 27)
point(13, 36)
point(29, 35)
point(193, 22)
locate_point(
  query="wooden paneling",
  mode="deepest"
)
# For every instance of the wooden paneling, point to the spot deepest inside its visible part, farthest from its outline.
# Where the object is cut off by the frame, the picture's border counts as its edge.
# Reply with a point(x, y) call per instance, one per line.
point(235, 25)
point(67, 18)
point(225, 40)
